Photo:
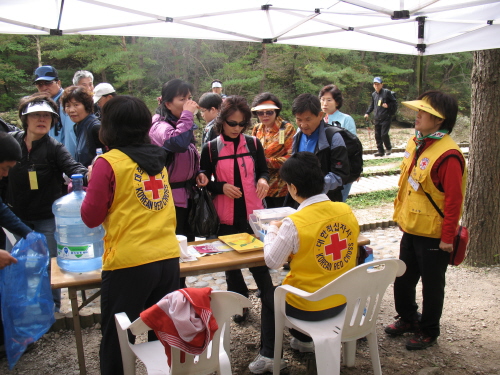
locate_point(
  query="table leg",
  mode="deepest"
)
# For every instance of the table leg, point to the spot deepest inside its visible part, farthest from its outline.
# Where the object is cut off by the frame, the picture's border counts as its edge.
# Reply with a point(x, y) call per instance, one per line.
point(78, 331)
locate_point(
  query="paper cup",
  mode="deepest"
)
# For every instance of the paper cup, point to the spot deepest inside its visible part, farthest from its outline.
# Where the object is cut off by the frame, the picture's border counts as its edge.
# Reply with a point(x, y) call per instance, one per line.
point(183, 245)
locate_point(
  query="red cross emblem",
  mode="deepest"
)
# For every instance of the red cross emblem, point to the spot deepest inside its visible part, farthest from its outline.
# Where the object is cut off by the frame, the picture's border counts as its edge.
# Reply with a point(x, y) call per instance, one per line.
point(336, 246)
point(154, 186)
point(424, 163)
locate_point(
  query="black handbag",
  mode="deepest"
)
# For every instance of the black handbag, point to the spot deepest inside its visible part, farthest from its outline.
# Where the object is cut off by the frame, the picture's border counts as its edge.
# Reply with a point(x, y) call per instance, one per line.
point(203, 218)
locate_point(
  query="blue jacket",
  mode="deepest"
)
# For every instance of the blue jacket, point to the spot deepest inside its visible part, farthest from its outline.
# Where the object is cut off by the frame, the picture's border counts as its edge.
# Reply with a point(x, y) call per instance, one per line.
point(333, 158)
point(63, 131)
point(11, 222)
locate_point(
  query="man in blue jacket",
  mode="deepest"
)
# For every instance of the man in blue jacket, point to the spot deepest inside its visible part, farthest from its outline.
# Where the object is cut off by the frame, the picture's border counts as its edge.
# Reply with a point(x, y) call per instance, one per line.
point(47, 80)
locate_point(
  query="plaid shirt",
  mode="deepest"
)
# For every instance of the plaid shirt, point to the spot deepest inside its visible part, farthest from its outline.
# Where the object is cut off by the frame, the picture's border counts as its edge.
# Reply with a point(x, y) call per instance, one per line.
point(276, 153)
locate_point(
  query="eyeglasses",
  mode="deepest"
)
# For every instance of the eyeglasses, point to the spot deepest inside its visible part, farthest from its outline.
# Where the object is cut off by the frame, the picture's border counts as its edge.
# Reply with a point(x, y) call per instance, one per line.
point(267, 113)
point(43, 83)
point(234, 123)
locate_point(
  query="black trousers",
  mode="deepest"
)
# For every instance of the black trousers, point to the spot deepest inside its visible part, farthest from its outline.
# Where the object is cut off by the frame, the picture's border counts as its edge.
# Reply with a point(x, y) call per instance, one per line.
point(267, 325)
point(234, 278)
point(424, 260)
point(382, 135)
point(131, 290)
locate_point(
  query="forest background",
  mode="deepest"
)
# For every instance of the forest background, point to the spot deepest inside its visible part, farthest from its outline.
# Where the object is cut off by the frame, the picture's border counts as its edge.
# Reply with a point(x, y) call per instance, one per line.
point(139, 66)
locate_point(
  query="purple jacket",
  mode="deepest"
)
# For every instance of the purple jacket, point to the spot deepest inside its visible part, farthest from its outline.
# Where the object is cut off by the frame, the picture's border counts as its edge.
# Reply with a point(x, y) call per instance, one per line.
point(177, 138)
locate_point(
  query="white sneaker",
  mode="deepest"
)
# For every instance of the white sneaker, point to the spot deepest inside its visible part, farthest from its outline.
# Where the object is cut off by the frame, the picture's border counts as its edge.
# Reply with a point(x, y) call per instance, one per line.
point(263, 364)
point(303, 347)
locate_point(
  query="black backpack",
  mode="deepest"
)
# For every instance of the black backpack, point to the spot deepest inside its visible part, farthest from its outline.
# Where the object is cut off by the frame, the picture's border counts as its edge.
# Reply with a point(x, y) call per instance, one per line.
point(354, 149)
point(393, 104)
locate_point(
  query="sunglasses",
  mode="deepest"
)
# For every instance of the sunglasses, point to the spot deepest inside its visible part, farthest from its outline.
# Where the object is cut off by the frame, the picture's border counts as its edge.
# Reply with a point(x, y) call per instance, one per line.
point(234, 123)
point(267, 113)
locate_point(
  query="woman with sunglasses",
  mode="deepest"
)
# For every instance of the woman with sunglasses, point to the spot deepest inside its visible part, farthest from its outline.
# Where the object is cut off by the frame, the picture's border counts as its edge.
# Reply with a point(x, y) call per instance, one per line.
point(238, 166)
point(276, 136)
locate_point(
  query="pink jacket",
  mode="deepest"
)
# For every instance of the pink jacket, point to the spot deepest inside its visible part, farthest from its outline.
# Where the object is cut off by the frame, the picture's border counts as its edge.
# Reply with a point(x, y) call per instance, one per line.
point(178, 138)
point(225, 172)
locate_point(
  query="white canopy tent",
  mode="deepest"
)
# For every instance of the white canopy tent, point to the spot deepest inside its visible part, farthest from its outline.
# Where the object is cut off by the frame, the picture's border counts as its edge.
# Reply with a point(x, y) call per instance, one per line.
point(418, 27)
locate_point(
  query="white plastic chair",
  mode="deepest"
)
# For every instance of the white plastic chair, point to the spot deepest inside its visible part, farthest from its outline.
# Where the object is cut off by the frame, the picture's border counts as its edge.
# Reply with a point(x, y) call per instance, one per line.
point(363, 288)
point(152, 354)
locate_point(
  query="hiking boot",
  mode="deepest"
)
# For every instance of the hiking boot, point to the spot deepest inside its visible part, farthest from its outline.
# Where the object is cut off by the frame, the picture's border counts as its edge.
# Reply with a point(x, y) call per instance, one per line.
point(378, 154)
point(420, 341)
point(389, 151)
point(401, 326)
point(241, 318)
point(301, 346)
point(263, 364)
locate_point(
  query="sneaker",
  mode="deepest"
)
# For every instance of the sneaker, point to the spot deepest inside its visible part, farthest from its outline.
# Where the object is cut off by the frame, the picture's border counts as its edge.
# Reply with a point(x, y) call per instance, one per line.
point(401, 326)
point(420, 341)
point(378, 154)
point(389, 151)
point(301, 346)
point(241, 318)
point(263, 364)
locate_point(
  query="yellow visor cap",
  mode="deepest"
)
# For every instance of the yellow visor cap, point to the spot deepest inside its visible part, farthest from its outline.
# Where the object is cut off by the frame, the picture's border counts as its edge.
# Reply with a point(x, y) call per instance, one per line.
point(417, 105)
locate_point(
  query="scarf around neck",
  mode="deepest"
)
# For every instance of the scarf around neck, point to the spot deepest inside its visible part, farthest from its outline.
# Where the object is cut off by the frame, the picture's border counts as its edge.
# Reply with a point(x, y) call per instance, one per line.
point(420, 139)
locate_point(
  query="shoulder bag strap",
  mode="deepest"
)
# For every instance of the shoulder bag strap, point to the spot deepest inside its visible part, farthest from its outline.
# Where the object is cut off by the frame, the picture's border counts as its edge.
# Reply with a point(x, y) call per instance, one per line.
point(432, 201)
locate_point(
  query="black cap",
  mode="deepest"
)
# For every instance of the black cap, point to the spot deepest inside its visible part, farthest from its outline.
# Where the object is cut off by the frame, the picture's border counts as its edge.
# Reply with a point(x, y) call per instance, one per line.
point(10, 150)
point(45, 73)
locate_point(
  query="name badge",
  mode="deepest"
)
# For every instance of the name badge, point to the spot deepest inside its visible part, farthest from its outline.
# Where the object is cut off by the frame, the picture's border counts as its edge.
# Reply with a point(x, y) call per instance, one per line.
point(414, 184)
point(281, 136)
point(379, 102)
point(33, 180)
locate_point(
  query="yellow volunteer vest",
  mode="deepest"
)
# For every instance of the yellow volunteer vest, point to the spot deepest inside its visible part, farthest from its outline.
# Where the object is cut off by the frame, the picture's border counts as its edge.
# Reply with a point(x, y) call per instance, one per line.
point(328, 247)
point(140, 225)
point(412, 209)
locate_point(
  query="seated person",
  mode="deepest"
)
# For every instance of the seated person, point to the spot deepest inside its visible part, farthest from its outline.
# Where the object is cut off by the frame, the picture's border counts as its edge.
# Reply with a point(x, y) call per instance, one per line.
point(321, 240)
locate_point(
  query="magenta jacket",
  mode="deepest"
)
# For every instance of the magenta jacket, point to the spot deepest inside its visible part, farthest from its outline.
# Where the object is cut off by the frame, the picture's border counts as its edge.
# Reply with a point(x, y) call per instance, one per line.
point(178, 139)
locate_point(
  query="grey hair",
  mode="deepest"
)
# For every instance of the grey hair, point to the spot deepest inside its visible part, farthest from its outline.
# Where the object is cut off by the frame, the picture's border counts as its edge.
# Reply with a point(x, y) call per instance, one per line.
point(82, 74)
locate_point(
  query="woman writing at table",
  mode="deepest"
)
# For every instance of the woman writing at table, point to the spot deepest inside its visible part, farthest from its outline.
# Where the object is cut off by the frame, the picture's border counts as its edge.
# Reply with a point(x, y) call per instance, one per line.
point(129, 194)
point(238, 165)
point(321, 239)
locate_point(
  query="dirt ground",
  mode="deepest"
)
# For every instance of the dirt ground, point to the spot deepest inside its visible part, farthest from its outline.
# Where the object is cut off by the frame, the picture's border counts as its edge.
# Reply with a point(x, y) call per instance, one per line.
point(469, 341)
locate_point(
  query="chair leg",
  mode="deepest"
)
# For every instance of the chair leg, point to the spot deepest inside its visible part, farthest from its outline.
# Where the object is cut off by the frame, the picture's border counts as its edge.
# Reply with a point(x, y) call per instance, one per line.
point(278, 342)
point(350, 353)
point(373, 346)
point(327, 352)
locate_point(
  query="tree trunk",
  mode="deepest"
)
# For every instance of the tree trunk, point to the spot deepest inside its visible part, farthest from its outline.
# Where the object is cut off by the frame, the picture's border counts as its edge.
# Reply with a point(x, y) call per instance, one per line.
point(264, 68)
point(38, 50)
point(482, 204)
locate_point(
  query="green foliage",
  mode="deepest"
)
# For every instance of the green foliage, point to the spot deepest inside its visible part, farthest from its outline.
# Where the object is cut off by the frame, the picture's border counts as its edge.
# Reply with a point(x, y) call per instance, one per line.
point(375, 198)
point(141, 65)
point(380, 161)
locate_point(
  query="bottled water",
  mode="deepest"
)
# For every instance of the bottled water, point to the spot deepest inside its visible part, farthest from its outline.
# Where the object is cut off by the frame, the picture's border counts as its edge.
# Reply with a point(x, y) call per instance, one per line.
point(79, 248)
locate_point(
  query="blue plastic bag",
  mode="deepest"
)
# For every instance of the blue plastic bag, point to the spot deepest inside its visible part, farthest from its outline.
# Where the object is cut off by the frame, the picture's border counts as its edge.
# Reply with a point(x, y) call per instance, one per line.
point(26, 297)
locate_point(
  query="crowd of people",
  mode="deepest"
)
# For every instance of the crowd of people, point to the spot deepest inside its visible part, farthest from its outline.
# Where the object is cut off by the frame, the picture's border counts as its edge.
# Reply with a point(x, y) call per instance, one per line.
point(140, 188)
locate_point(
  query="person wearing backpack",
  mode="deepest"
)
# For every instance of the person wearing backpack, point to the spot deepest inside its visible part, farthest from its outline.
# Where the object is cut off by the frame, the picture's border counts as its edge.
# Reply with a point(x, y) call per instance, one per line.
point(331, 101)
point(322, 140)
point(240, 182)
point(383, 105)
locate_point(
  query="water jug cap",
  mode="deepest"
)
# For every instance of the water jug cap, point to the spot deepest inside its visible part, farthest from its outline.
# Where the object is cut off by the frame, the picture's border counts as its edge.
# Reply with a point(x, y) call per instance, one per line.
point(75, 176)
